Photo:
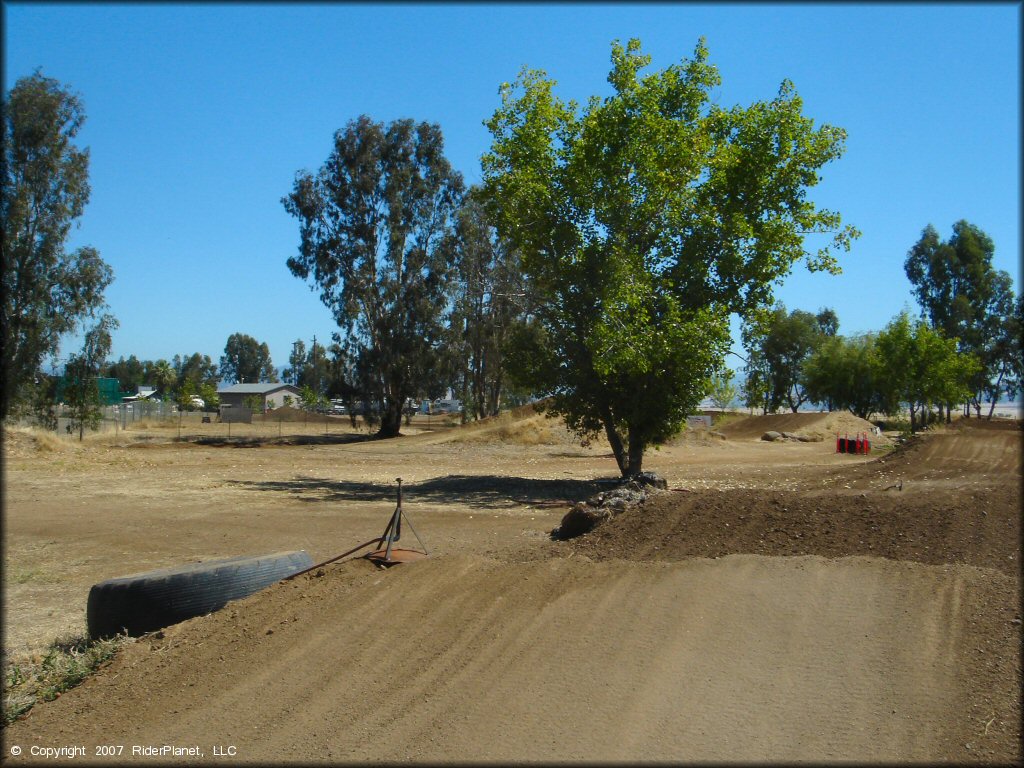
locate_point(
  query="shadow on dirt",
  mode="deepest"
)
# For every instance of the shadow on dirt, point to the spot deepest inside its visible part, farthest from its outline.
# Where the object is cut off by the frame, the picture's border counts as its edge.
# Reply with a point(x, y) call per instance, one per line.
point(477, 490)
point(256, 442)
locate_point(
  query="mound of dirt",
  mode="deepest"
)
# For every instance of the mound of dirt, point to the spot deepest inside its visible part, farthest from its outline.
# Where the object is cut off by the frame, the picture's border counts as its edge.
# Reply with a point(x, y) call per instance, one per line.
point(968, 445)
point(823, 425)
point(980, 527)
point(952, 496)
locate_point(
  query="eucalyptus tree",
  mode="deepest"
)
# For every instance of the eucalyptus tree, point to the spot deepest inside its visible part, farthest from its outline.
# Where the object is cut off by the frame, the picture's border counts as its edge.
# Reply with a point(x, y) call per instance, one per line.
point(296, 362)
point(47, 291)
point(643, 220)
point(778, 343)
point(309, 367)
point(197, 368)
point(373, 224)
point(490, 297)
point(965, 297)
point(246, 360)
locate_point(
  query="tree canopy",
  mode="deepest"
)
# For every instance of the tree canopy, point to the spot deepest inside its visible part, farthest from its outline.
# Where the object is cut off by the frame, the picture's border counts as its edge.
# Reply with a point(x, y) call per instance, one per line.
point(372, 223)
point(921, 367)
point(82, 394)
point(846, 373)
point(47, 291)
point(778, 344)
point(246, 360)
point(965, 297)
point(490, 296)
point(642, 221)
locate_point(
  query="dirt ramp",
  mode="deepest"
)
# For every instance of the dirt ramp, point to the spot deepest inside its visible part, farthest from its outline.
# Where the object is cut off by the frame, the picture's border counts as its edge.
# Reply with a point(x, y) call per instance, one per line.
point(467, 659)
point(982, 449)
point(824, 425)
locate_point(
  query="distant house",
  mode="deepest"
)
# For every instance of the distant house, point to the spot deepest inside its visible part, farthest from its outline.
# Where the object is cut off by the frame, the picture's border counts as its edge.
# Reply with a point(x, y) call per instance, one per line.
point(270, 395)
point(144, 393)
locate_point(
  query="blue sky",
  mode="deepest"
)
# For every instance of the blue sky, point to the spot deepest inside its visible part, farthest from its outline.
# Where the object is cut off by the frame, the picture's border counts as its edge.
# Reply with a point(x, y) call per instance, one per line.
point(199, 116)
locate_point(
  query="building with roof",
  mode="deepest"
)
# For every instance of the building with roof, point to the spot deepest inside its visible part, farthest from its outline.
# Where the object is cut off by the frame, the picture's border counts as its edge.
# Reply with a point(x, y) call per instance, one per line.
point(271, 395)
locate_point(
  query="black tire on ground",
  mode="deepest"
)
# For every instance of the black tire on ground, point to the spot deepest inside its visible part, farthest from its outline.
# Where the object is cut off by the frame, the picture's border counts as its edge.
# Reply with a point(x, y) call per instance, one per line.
point(144, 602)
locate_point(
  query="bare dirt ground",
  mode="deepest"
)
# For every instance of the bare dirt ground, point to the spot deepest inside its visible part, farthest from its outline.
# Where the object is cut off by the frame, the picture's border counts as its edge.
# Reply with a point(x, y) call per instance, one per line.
point(781, 603)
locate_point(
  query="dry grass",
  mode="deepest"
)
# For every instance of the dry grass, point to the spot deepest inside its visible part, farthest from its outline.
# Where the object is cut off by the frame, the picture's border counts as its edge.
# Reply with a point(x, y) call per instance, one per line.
point(45, 676)
point(19, 441)
point(516, 427)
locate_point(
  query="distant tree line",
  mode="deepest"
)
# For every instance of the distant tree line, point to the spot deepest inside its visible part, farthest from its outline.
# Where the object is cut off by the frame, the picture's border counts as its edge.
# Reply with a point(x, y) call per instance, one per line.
point(965, 349)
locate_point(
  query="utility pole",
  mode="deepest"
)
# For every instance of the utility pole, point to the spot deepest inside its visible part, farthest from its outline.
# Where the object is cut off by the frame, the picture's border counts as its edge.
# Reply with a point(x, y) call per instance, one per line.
point(316, 370)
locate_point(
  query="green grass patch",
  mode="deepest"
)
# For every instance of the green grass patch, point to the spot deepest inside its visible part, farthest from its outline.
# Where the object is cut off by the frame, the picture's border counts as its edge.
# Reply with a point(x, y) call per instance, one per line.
point(45, 676)
point(24, 577)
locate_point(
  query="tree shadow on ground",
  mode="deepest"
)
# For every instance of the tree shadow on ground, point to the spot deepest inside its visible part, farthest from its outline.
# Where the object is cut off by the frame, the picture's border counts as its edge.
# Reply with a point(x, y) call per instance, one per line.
point(256, 442)
point(475, 490)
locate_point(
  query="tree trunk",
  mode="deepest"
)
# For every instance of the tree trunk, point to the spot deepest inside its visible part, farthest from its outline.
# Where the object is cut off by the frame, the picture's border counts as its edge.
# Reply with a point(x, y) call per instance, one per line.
point(391, 420)
point(618, 449)
point(636, 455)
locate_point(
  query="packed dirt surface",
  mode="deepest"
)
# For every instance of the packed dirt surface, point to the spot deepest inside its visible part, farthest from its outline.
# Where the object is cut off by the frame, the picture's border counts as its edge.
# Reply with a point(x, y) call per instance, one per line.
point(780, 602)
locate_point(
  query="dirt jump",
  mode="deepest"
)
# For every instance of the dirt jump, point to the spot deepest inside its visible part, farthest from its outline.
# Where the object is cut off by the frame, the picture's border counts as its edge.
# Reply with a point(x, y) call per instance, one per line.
point(780, 602)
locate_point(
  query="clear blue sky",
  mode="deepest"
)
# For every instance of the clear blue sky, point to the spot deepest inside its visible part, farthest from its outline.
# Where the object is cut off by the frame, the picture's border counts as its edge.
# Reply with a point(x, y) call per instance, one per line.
point(199, 116)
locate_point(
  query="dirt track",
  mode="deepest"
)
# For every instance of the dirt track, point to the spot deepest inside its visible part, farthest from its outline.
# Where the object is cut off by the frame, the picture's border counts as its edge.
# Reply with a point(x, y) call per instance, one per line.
point(781, 604)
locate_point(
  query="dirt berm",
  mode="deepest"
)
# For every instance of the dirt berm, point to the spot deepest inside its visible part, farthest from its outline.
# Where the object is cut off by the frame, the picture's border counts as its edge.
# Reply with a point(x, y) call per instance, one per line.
point(843, 620)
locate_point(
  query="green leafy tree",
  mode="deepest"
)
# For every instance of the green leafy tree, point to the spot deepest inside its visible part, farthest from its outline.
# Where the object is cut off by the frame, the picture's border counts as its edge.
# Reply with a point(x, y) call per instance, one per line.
point(372, 225)
point(316, 368)
point(921, 368)
point(965, 297)
point(246, 360)
point(184, 395)
point(183, 399)
point(254, 403)
point(311, 399)
point(208, 391)
point(130, 373)
point(828, 321)
point(312, 367)
point(81, 372)
point(1006, 351)
point(723, 392)
point(845, 373)
point(196, 368)
point(642, 221)
point(296, 362)
point(778, 343)
point(47, 291)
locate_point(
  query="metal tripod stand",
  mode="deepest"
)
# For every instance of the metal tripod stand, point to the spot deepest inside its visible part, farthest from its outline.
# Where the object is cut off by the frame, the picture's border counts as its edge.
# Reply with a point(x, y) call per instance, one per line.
point(393, 532)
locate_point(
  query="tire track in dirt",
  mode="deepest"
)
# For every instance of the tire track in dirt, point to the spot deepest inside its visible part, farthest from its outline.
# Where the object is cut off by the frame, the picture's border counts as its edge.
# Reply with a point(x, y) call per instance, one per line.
point(463, 658)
